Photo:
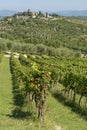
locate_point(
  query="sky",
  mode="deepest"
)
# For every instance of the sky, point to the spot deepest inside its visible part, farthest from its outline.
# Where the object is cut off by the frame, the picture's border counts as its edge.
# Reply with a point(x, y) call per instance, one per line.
point(43, 5)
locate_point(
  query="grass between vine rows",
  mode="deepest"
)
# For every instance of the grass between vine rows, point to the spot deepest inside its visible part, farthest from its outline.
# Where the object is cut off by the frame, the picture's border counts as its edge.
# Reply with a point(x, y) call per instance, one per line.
point(57, 115)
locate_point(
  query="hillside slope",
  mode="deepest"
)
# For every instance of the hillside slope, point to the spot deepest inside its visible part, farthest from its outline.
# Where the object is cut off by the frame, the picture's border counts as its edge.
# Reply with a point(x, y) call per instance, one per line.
point(51, 31)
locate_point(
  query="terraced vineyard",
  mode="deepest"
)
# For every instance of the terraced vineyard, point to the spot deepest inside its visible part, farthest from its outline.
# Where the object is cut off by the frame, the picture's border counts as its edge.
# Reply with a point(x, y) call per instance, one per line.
point(36, 75)
point(71, 73)
point(36, 78)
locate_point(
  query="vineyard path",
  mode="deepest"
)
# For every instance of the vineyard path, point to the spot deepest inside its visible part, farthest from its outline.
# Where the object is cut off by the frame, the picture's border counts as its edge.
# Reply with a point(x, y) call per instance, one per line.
point(6, 98)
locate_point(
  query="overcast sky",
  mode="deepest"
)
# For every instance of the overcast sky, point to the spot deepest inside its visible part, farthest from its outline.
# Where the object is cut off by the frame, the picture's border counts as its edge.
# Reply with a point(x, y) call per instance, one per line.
point(43, 5)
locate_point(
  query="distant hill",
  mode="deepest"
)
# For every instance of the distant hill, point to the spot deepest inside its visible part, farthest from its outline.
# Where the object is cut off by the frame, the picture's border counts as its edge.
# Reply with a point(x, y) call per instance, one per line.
point(4, 13)
point(73, 13)
point(54, 31)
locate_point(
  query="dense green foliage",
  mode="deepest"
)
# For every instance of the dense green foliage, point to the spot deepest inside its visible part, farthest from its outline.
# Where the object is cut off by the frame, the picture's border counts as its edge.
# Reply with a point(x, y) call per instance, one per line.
point(69, 72)
point(51, 31)
point(31, 81)
point(33, 76)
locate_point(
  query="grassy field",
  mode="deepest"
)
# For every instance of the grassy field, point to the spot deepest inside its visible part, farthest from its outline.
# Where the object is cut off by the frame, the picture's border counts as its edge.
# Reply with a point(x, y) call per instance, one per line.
point(58, 116)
